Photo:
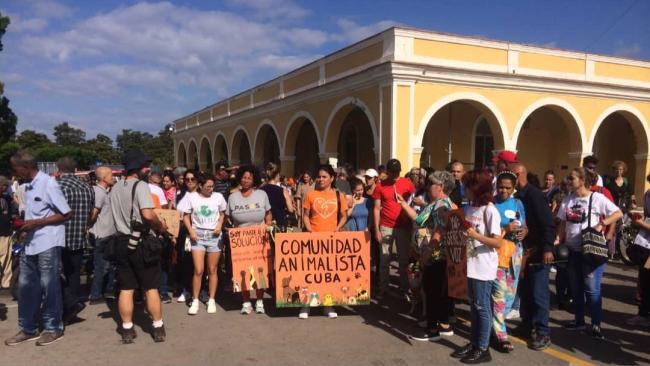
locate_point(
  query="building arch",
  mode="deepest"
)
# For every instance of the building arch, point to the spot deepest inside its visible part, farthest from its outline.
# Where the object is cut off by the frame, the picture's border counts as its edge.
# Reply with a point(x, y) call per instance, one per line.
point(477, 100)
point(634, 117)
point(302, 135)
point(181, 155)
point(220, 148)
point(192, 155)
point(336, 120)
point(448, 130)
point(267, 145)
point(205, 155)
point(552, 126)
point(241, 151)
point(291, 129)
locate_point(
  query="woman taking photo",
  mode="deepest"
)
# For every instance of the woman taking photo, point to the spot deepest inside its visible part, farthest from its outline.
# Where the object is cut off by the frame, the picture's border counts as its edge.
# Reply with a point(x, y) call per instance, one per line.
point(583, 208)
point(360, 210)
point(484, 233)
point(279, 197)
point(433, 261)
point(203, 218)
point(513, 229)
point(249, 206)
point(325, 210)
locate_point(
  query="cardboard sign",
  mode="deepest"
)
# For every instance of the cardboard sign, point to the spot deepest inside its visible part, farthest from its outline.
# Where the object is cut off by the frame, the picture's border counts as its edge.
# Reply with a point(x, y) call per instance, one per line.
point(456, 241)
point(249, 252)
point(171, 218)
point(322, 269)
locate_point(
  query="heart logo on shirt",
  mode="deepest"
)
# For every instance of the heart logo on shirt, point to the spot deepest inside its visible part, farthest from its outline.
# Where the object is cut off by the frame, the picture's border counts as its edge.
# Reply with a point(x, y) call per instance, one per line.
point(325, 208)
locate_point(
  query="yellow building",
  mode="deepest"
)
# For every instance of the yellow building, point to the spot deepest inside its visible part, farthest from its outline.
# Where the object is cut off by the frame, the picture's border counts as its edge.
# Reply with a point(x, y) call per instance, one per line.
point(425, 97)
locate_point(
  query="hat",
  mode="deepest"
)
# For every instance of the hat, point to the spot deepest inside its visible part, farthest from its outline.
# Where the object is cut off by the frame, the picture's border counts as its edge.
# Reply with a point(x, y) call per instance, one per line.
point(393, 165)
point(507, 156)
point(222, 165)
point(372, 173)
point(135, 159)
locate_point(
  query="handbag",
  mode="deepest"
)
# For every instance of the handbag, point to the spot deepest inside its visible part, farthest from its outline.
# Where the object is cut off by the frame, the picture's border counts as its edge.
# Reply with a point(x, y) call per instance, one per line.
point(594, 245)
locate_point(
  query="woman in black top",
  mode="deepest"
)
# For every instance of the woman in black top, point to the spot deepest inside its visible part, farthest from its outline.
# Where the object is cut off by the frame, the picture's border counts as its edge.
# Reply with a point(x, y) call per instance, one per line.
point(279, 197)
point(620, 188)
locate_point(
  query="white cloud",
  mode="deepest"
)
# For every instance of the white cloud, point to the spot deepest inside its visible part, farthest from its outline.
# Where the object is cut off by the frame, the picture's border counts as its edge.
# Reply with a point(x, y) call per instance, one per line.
point(627, 50)
point(19, 24)
point(50, 9)
point(269, 9)
point(351, 32)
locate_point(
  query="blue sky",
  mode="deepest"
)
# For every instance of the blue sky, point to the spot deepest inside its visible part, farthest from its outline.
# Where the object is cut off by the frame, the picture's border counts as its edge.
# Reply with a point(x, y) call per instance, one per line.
point(109, 65)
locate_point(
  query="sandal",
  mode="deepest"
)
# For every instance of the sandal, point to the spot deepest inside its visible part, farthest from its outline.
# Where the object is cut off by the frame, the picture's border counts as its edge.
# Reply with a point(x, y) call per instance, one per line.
point(504, 347)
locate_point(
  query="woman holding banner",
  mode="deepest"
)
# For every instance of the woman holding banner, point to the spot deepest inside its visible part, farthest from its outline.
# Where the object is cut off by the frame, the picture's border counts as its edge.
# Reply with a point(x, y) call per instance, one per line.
point(433, 262)
point(249, 206)
point(325, 210)
point(203, 214)
point(483, 224)
point(513, 229)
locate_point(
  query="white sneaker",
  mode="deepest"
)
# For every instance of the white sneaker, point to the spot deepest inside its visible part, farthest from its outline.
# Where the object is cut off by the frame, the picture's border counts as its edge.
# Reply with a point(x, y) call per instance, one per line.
point(513, 314)
point(194, 307)
point(246, 308)
point(212, 306)
point(330, 312)
point(181, 298)
point(259, 306)
point(553, 269)
point(304, 313)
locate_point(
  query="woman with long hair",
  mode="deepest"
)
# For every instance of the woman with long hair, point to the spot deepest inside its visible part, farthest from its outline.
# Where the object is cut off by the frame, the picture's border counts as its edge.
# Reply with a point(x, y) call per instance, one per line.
point(203, 218)
point(305, 185)
point(279, 197)
point(484, 231)
point(325, 210)
point(184, 264)
point(581, 209)
point(249, 206)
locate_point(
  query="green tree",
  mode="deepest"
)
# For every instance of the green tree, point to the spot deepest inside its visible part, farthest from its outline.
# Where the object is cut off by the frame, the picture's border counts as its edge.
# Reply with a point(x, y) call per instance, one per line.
point(102, 145)
point(84, 158)
point(66, 135)
point(161, 147)
point(6, 151)
point(8, 119)
point(32, 139)
point(129, 140)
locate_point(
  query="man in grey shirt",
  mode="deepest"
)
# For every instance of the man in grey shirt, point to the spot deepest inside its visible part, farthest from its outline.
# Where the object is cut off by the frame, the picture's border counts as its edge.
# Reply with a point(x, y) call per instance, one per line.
point(129, 206)
point(103, 230)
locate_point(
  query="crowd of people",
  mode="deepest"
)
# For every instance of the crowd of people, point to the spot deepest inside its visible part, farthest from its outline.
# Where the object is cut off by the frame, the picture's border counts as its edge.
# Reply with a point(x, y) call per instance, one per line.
point(517, 228)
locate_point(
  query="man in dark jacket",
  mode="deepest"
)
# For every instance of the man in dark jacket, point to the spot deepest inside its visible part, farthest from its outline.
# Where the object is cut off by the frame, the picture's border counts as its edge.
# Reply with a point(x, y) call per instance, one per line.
point(538, 247)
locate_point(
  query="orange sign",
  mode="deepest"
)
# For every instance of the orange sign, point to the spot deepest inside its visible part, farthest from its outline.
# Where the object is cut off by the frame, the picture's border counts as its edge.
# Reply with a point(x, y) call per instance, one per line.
point(322, 269)
point(249, 251)
point(456, 240)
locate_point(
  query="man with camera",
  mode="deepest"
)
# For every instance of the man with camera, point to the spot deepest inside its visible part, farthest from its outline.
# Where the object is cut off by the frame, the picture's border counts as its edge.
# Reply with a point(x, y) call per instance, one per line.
point(137, 247)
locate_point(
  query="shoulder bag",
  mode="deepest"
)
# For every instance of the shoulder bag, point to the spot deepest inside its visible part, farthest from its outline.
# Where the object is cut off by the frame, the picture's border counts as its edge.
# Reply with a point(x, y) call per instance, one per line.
point(594, 245)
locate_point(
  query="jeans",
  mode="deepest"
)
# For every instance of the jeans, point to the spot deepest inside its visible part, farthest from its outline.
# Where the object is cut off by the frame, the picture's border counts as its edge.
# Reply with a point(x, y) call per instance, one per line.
point(72, 260)
point(402, 239)
point(585, 281)
point(104, 273)
point(480, 299)
point(535, 298)
point(39, 284)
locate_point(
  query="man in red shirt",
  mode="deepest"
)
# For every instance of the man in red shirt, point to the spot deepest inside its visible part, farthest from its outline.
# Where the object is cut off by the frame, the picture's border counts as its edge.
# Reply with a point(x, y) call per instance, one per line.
point(391, 225)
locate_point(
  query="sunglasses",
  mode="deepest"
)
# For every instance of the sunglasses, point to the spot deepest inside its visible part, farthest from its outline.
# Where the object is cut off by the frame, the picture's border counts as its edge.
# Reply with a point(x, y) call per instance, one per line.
point(190, 179)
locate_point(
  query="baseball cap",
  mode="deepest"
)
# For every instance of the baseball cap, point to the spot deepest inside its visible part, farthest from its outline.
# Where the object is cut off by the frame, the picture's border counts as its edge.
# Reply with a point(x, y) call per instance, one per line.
point(507, 156)
point(372, 173)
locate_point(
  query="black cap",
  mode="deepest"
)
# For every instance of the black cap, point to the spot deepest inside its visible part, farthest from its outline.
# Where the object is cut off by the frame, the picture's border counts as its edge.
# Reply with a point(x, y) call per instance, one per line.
point(394, 166)
point(135, 159)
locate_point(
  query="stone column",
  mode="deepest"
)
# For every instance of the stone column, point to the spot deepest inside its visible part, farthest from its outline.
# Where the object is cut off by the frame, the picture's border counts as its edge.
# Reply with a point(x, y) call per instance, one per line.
point(287, 165)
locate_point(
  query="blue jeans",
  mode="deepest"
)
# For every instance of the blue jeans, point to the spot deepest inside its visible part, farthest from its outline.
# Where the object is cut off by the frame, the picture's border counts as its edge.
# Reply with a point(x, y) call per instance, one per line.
point(535, 298)
point(39, 283)
point(480, 300)
point(585, 281)
point(103, 273)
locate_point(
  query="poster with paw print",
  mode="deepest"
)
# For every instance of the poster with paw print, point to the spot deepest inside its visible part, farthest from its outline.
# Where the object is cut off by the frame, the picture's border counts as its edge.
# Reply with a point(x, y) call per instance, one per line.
point(322, 269)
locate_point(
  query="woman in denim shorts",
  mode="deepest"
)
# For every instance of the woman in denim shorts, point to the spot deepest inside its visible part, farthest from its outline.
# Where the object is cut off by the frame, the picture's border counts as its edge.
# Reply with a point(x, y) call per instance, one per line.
point(203, 217)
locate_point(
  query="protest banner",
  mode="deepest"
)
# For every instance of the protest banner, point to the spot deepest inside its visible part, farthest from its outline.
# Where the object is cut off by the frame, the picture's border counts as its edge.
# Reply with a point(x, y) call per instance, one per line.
point(250, 253)
point(171, 218)
point(322, 269)
point(456, 241)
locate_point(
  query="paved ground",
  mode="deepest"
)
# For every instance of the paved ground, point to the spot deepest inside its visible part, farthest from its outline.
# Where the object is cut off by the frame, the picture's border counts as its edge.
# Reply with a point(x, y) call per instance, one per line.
point(374, 335)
